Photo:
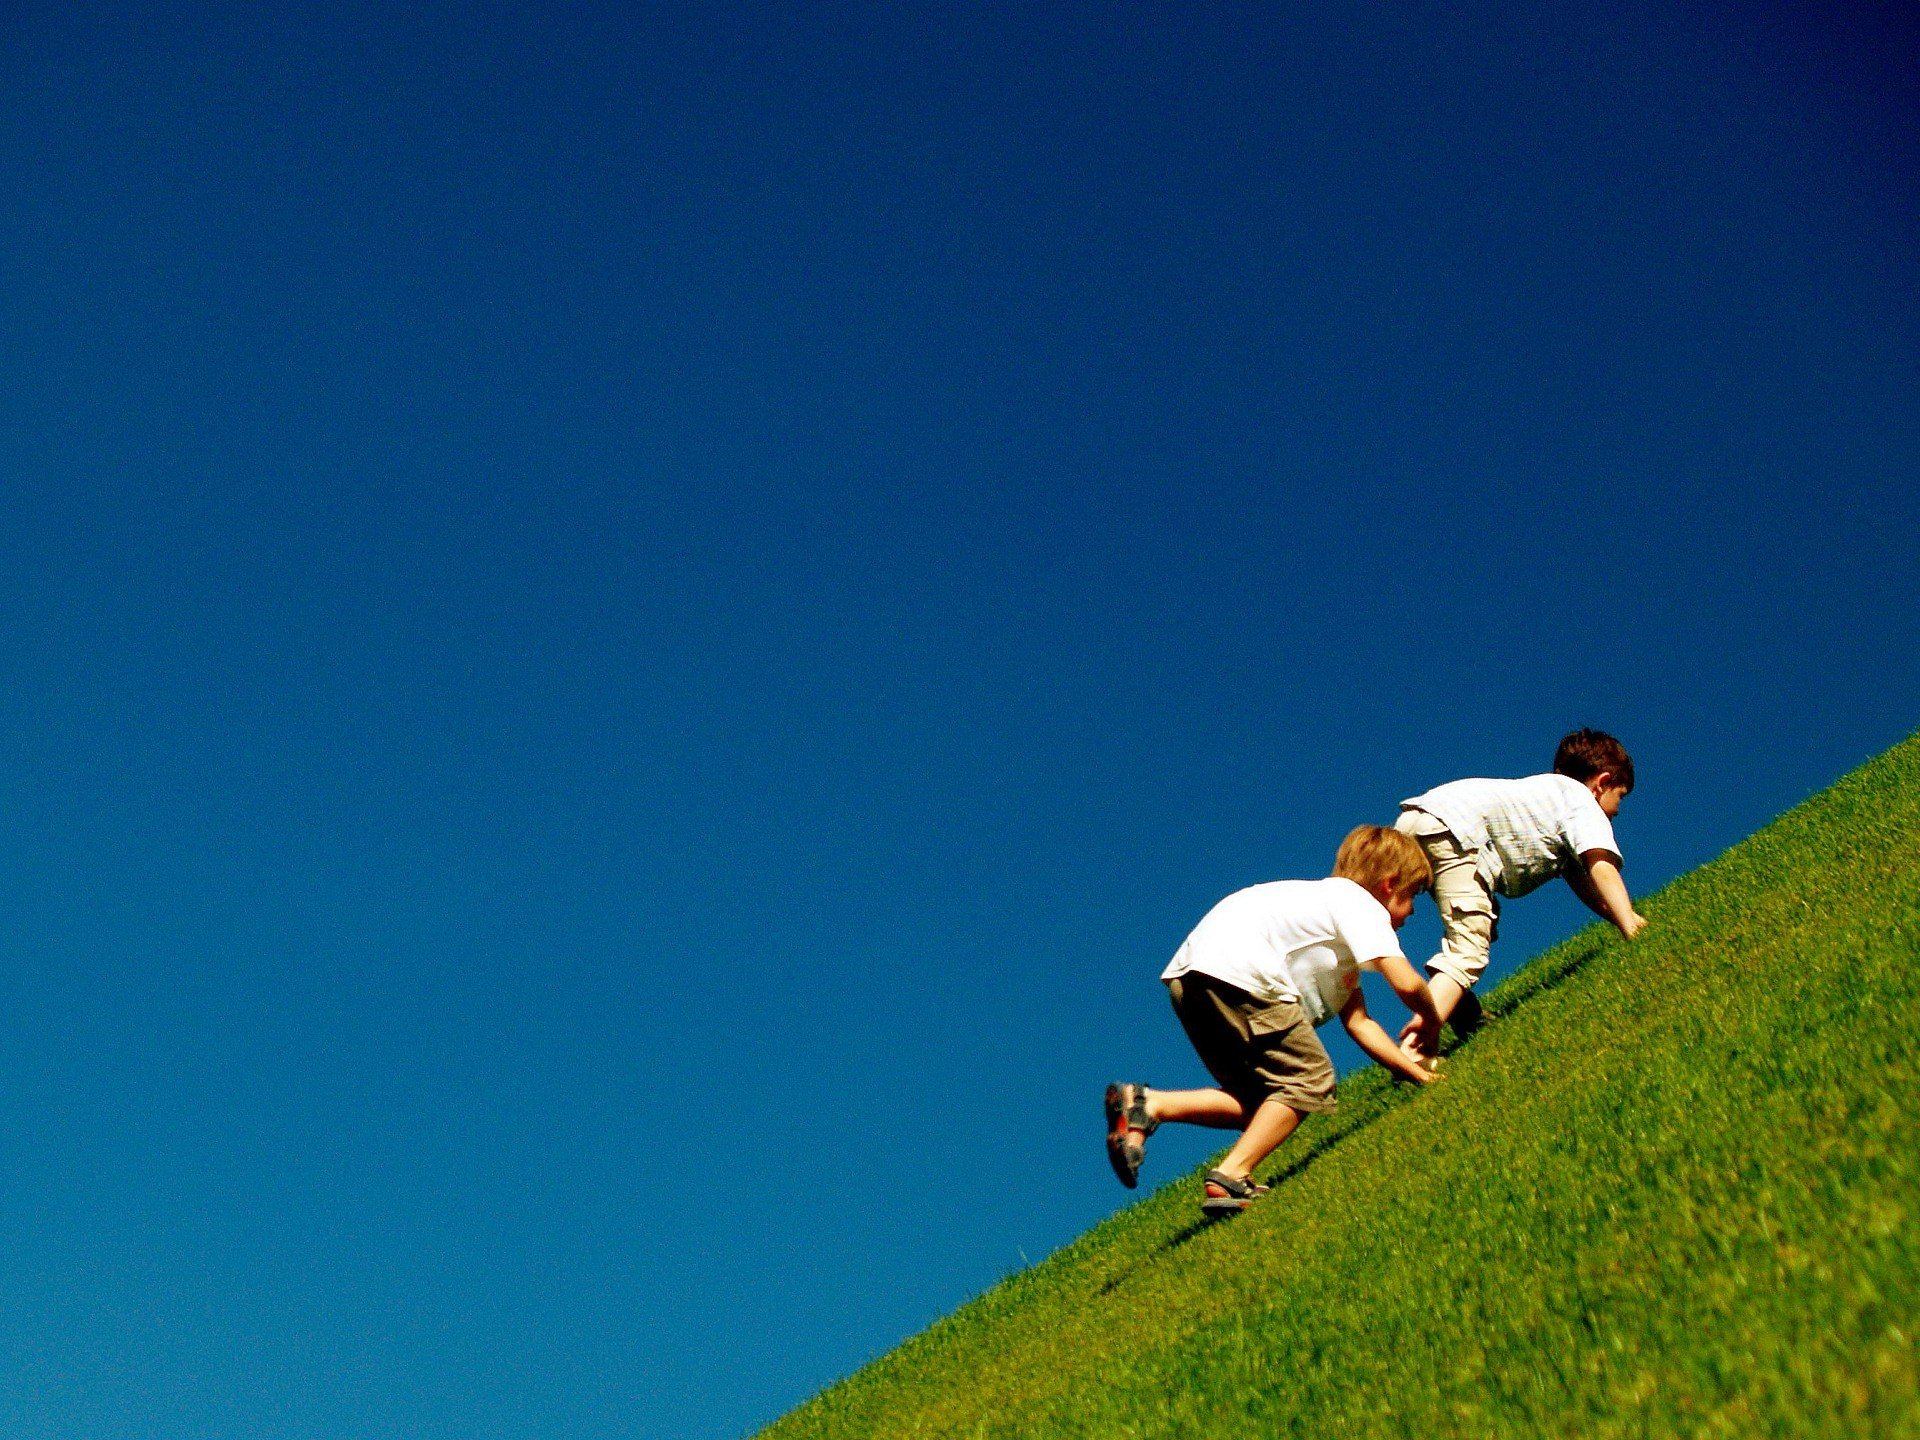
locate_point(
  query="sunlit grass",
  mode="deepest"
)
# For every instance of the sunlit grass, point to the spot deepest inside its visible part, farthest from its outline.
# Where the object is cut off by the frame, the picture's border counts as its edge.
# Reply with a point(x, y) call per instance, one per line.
point(1670, 1192)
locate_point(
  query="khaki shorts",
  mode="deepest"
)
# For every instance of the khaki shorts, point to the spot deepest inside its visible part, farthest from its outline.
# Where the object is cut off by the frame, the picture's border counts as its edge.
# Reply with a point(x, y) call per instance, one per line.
point(1256, 1051)
point(1469, 911)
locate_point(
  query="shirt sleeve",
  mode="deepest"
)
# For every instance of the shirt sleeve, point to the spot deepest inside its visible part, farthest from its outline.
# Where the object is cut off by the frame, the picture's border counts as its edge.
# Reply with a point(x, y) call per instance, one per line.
point(1365, 928)
point(1587, 827)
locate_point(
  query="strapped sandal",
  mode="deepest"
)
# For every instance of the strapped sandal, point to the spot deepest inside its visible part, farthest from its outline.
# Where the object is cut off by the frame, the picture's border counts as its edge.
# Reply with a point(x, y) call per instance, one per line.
point(1228, 1195)
point(1126, 1113)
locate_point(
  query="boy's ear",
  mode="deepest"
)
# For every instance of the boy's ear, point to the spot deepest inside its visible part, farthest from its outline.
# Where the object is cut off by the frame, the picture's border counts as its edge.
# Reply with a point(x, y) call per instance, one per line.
point(1600, 782)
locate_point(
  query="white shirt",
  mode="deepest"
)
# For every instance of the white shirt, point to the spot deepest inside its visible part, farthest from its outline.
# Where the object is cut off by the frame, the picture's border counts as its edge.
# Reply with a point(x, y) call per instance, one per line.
point(1299, 940)
point(1526, 831)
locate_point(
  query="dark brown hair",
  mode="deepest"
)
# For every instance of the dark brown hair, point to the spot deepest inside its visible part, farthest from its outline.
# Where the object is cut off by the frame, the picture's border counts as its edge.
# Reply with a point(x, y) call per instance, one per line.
point(1586, 753)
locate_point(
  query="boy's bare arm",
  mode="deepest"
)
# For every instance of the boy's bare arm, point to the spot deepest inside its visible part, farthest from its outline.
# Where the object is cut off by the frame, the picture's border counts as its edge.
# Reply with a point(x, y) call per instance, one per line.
point(1602, 890)
point(1368, 1035)
point(1413, 993)
point(1578, 882)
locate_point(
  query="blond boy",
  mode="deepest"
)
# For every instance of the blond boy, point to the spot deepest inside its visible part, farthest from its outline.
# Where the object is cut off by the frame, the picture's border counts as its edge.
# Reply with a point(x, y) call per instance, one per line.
point(1491, 838)
point(1260, 971)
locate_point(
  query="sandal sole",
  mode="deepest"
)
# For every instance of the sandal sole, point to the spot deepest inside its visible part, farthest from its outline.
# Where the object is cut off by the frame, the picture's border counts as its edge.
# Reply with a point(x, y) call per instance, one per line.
point(1123, 1156)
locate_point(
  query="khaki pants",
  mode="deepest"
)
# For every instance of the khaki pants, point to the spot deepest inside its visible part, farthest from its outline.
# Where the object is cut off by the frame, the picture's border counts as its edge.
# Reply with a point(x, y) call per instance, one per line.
point(1469, 911)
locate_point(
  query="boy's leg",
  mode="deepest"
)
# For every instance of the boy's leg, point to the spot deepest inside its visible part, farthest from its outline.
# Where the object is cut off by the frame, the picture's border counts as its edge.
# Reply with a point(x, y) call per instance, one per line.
point(1467, 1014)
point(1229, 1187)
point(1215, 1109)
point(1469, 917)
point(1447, 992)
point(1294, 1077)
point(1268, 1052)
point(1272, 1123)
point(1134, 1112)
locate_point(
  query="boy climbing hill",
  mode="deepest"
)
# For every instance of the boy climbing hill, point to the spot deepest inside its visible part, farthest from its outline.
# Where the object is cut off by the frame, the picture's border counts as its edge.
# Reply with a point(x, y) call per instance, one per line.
point(1259, 972)
point(1488, 838)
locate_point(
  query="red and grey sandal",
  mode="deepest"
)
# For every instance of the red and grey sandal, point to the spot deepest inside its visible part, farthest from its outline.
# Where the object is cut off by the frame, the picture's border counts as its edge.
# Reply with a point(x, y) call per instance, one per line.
point(1228, 1195)
point(1126, 1113)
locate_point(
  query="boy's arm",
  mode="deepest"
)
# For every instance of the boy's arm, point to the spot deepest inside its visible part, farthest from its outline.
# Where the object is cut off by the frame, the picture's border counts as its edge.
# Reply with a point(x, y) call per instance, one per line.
point(1602, 891)
point(1368, 1035)
point(1577, 881)
point(1424, 1028)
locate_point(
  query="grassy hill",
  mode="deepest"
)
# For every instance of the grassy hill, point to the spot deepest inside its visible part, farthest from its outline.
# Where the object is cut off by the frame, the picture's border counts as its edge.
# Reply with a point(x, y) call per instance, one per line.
point(1673, 1191)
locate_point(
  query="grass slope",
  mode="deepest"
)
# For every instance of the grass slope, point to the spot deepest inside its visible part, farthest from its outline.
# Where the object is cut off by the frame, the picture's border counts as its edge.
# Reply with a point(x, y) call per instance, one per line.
point(1671, 1193)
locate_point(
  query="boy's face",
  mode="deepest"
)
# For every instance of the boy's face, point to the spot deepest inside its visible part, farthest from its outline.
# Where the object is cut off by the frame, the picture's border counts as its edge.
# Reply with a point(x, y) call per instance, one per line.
point(1609, 792)
point(1399, 904)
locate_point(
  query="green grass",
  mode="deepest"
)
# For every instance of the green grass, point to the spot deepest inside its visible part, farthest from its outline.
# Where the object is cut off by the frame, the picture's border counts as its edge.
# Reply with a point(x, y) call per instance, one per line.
point(1671, 1192)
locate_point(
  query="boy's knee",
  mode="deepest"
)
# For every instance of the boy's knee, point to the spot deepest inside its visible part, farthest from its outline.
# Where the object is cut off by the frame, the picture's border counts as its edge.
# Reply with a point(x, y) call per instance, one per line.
point(1466, 944)
point(1449, 965)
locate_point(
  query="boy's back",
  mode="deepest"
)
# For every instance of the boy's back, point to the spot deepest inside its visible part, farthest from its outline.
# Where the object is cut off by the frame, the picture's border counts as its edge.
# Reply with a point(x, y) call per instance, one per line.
point(1526, 832)
point(1291, 940)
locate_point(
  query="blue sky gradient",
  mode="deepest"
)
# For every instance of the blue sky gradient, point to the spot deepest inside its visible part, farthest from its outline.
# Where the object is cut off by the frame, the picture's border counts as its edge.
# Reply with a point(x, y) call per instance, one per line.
point(631, 632)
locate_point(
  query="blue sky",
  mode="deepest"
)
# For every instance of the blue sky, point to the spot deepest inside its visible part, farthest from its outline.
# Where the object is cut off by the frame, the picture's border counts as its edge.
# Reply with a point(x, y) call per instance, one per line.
point(631, 633)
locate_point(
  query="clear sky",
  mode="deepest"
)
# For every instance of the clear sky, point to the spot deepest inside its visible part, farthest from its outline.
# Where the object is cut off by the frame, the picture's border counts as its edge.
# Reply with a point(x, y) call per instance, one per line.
point(630, 632)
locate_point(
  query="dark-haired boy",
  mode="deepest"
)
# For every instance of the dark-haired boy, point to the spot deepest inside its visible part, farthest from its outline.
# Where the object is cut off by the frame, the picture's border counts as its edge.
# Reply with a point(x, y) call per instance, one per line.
point(1489, 838)
point(1259, 972)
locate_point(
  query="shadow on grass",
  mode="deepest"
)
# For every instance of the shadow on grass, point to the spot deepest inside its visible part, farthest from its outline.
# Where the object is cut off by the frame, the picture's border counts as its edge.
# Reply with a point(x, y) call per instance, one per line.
point(1165, 1247)
point(1530, 982)
point(1314, 1145)
point(1519, 990)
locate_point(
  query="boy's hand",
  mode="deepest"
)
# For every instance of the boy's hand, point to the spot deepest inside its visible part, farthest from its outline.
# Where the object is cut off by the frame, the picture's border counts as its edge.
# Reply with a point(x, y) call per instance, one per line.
point(1420, 1035)
point(1422, 1070)
point(1368, 1035)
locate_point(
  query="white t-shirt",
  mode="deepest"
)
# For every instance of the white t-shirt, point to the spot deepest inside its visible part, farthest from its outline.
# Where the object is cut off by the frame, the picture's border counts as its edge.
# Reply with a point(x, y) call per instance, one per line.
point(1299, 940)
point(1527, 831)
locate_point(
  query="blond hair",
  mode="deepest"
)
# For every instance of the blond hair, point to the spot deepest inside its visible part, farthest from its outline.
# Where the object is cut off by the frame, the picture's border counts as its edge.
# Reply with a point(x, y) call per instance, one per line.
point(1373, 854)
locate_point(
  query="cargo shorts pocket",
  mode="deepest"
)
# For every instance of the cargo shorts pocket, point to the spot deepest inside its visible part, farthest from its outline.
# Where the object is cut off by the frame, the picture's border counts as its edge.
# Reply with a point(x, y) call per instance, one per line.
point(1478, 913)
point(1272, 1019)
